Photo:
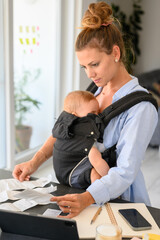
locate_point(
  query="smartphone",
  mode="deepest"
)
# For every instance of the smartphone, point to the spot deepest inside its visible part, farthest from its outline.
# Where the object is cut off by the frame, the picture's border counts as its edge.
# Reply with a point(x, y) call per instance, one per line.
point(135, 220)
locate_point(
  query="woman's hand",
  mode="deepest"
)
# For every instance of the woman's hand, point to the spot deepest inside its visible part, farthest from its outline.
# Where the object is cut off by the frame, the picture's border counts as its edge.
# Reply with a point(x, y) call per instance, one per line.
point(23, 171)
point(73, 203)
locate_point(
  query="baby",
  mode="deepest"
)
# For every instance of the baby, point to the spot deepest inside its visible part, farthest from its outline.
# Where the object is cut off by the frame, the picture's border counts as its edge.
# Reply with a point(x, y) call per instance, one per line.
point(76, 161)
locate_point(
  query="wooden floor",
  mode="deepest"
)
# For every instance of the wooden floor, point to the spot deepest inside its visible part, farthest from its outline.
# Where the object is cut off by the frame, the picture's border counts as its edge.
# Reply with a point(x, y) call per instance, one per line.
point(150, 168)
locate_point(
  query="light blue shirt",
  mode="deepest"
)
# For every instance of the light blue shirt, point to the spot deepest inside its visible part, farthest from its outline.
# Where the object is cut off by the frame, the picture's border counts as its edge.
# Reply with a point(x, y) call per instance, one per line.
point(132, 131)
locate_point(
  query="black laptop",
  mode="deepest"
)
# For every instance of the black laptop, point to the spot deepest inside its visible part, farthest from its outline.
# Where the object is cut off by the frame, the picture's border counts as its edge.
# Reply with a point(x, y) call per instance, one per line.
point(28, 226)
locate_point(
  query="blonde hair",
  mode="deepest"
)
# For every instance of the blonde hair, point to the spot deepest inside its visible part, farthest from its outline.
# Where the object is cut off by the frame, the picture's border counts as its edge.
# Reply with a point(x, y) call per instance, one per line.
point(100, 30)
point(74, 99)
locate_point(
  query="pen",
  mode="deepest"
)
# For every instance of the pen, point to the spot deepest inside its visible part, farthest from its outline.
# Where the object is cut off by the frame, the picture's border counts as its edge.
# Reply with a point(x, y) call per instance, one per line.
point(96, 214)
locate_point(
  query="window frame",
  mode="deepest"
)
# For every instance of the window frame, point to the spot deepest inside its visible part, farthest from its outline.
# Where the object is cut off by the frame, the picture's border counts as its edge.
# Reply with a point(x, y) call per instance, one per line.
point(8, 77)
point(2, 90)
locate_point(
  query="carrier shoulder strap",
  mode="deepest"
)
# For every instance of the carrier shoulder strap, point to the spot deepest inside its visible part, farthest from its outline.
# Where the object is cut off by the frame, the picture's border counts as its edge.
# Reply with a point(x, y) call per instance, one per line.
point(125, 103)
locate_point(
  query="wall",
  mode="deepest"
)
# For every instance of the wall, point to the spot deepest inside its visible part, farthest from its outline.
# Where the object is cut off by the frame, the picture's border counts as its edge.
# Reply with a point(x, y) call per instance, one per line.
point(149, 36)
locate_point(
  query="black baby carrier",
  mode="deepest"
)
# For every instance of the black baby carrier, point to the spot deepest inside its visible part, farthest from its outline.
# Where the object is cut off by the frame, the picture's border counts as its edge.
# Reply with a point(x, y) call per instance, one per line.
point(79, 177)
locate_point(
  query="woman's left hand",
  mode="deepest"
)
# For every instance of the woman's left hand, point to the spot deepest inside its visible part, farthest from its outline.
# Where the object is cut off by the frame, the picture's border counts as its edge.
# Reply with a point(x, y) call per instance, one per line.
point(73, 203)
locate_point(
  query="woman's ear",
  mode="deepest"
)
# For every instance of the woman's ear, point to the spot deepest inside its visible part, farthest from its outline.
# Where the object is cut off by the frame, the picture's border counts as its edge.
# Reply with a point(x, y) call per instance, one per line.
point(116, 53)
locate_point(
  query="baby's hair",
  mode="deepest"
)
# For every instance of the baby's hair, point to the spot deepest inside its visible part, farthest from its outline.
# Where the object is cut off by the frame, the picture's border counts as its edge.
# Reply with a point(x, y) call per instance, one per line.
point(75, 98)
point(100, 30)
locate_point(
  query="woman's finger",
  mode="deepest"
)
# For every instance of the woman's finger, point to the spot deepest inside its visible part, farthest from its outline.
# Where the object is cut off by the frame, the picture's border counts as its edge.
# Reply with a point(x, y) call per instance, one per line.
point(72, 212)
point(65, 209)
point(27, 178)
point(67, 197)
point(66, 200)
point(69, 209)
point(67, 204)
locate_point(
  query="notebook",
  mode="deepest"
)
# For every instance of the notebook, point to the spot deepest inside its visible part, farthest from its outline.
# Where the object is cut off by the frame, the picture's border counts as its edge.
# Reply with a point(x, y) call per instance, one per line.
point(37, 226)
point(109, 214)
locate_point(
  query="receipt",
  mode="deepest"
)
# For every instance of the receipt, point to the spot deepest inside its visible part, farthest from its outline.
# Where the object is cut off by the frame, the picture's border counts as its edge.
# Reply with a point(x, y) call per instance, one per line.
point(14, 184)
point(52, 212)
point(24, 204)
point(20, 205)
point(31, 194)
point(8, 195)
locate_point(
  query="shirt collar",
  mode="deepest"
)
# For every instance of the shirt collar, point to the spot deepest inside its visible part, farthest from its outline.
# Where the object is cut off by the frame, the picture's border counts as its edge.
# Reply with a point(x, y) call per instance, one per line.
point(125, 89)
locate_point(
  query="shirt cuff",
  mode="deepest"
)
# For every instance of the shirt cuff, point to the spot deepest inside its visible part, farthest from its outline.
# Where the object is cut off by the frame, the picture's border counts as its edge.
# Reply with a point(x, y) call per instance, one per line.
point(96, 189)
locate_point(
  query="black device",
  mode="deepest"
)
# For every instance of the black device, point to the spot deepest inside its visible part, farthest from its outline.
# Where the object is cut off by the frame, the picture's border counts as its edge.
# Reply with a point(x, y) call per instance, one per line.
point(28, 226)
point(136, 221)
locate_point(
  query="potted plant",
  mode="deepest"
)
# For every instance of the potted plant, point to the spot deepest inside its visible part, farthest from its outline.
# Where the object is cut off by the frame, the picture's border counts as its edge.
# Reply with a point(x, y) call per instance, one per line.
point(23, 105)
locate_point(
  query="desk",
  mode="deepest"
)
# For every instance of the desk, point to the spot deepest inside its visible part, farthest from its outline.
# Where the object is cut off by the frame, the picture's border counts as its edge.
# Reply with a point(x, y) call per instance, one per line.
point(61, 190)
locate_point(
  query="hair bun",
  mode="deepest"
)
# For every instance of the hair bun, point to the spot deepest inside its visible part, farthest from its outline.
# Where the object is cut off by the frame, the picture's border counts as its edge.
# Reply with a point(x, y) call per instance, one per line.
point(96, 15)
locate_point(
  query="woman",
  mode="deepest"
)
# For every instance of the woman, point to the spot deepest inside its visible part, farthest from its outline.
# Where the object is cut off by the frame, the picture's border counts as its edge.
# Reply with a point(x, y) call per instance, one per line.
point(100, 51)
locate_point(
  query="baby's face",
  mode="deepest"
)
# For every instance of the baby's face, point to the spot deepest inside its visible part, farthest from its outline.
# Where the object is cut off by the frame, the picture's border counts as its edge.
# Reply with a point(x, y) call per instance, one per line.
point(88, 107)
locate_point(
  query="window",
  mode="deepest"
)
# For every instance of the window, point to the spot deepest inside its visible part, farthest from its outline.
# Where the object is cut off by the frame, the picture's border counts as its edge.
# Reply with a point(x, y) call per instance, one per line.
point(35, 54)
point(37, 63)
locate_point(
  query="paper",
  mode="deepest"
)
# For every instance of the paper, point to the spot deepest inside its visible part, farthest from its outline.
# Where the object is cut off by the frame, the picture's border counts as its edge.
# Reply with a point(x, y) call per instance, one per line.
point(52, 212)
point(8, 195)
point(31, 194)
point(47, 189)
point(29, 197)
point(87, 230)
point(14, 184)
point(9, 207)
point(24, 204)
point(20, 205)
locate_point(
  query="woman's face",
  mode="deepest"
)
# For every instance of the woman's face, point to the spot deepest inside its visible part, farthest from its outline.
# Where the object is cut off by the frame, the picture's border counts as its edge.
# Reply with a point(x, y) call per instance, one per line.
point(99, 67)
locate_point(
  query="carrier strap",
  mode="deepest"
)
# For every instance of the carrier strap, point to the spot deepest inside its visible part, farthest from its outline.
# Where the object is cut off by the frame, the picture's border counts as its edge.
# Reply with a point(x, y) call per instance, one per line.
point(125, 103)
point(117, 108)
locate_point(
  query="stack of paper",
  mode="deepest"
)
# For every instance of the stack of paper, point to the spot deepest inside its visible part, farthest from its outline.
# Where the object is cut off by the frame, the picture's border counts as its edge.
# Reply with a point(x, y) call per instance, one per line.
point(30, 197)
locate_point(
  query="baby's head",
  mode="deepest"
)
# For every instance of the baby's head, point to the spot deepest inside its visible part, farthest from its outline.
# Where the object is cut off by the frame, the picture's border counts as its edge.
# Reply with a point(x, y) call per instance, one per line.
point(80, 103)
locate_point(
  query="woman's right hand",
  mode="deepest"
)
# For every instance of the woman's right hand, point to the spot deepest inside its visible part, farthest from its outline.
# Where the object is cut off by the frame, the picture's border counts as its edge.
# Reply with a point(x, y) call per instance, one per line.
point(73, 203)
point(23, 171)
